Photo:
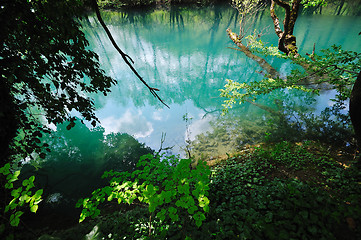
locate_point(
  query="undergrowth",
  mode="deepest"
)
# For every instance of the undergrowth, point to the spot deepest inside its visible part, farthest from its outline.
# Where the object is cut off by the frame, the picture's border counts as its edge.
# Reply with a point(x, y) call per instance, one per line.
point(286, 191)
point(280, 191)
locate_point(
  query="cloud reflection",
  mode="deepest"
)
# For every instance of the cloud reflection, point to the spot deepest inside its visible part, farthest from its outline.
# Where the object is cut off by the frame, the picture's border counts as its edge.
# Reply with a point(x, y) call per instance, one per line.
point(133, 123)
point(201, 125)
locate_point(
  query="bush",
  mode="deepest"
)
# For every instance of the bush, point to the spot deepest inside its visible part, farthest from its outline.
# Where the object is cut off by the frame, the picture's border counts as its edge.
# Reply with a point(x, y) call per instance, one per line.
point(175, 193)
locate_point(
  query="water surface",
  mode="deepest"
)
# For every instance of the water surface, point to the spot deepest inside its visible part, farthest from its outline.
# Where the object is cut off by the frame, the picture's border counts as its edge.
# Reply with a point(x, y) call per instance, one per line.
point(185, 53)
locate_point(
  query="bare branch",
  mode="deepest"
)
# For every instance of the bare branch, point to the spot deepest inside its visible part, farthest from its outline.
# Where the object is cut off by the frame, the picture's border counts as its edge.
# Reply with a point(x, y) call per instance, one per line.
point(125, 57)
point(247, 10)
point(162, 140)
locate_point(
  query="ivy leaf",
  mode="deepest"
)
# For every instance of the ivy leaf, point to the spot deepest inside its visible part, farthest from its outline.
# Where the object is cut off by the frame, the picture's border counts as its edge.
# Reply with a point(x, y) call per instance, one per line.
point(150, 191)
point(161, 214)
point(199, 217)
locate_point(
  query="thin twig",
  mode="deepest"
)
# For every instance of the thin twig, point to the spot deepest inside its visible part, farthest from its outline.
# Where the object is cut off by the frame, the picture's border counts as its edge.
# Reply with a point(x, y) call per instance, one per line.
point(323, 68)
point(125, 57)
point(162, 140)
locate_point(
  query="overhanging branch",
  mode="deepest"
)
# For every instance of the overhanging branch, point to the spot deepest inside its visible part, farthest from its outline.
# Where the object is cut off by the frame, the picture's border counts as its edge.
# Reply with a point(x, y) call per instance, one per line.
point(127, 59)
point(273, 73)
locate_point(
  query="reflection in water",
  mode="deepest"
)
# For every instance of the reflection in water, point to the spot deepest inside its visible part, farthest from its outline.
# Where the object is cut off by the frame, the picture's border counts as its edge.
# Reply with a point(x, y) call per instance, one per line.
point(78, 158)
point(133, 123)
point(184, 53)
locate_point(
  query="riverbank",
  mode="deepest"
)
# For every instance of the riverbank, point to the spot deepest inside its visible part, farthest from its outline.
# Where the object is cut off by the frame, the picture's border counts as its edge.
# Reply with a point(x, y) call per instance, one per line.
point(333, 7)
point(304, 190)
point(113, 4)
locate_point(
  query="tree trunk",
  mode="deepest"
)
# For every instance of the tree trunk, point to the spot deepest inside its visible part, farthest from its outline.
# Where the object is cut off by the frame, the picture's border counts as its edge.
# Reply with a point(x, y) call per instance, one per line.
point(355, 108)
point(286, 39)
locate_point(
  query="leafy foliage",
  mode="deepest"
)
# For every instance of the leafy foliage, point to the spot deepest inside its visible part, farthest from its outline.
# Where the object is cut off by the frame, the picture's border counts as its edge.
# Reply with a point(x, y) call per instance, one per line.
point(335, 66)
point(172, 190)
point(256, 195)
point(21, 196)
point(47, 73)
point(47, 70)
point(313, 3)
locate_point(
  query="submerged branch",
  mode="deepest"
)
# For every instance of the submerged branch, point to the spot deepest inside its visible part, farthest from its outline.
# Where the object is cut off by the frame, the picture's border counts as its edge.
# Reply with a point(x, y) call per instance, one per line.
point(127, 59)
point(261, 62)
point(263, 107)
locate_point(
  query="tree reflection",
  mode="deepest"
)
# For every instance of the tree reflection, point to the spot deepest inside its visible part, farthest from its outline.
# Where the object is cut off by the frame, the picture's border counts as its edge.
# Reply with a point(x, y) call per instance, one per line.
point(79, 157)
point(183, 52)
point(288, 116)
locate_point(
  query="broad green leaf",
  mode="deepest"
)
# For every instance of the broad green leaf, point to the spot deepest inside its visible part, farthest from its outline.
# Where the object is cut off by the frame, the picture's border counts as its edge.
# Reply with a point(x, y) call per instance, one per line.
point(25, 182)
point(38, 193)
point(15, 218)
point(161, 214)
point(5, 170)
point(34, 208)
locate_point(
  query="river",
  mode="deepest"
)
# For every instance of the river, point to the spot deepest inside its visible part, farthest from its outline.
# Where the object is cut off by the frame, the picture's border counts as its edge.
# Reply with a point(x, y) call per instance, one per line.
point(186, 54)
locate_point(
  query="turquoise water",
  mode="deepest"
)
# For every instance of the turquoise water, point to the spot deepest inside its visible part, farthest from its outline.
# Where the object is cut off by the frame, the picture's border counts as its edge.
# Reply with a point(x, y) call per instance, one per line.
point(184, 53)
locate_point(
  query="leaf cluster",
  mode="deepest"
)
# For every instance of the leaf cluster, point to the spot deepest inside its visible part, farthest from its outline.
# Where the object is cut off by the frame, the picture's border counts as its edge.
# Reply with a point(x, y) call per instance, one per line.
point(313, 3)
point(21, 196)
point(47, 70)
point(334, 67)
point(171, 188)
point(249, 201)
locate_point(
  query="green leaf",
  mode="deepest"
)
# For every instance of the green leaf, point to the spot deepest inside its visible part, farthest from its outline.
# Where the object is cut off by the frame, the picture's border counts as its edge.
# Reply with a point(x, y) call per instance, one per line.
point(16, 192)
point(25, 182)
point(31, 179)
point(15, 218)
point(5, 170)
point(15, 175)
point(199, 217)
point(38, 193)
point(167, 196)
point(34, 208)
point(150, 191)
point(152, 207)
point(174, 216)
point(180, 203)
point(24, 198)
point(161, 214)
point(192, 209)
